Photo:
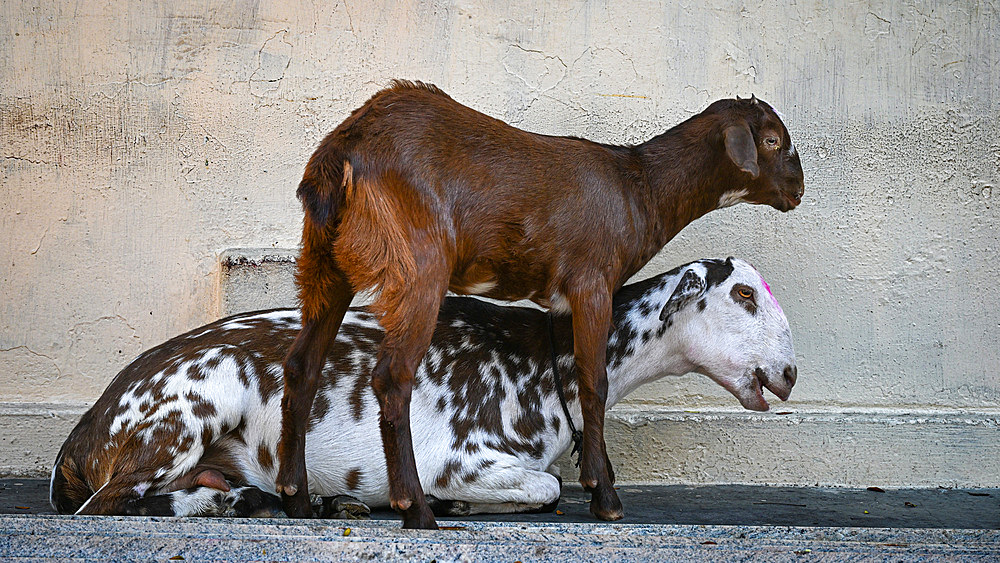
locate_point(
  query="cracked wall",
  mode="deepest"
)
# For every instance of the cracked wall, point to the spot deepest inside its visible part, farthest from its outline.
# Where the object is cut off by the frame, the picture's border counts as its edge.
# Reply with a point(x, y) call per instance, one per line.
point(140, 139)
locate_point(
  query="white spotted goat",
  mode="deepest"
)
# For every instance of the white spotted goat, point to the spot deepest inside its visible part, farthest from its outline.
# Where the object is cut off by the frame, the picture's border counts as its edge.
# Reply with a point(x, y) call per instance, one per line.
point(191, 427)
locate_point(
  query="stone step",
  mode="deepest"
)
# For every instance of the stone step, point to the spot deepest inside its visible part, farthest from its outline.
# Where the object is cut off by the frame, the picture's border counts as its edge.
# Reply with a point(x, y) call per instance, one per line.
point(182, 539)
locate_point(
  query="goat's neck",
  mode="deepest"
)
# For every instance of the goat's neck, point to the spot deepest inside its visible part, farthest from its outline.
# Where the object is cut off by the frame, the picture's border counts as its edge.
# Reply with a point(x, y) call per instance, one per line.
point(650, 354)
point(684, 177)
point(633, 360)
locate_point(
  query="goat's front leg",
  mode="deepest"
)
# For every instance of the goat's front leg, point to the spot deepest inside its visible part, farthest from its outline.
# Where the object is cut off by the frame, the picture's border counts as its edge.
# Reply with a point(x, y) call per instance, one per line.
point(591, 321)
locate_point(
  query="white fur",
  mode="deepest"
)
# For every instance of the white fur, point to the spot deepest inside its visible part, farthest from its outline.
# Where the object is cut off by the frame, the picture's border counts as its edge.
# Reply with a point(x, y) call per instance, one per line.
point(481, 288)
point(204, 501)
point(731, 198)
point(559, 303)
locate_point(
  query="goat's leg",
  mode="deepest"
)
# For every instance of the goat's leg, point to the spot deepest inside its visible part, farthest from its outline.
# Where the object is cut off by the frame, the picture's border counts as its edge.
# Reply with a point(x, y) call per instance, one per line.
point(500, 490)
point(240, 502)
point(392, 381)
point(402, 349)
point(203, 492)
point(326, 295)
point(591, 321)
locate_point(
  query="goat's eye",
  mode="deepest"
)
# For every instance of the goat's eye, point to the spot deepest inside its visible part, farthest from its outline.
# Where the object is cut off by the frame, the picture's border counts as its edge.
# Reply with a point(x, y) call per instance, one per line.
point(743, 295)
point(771, 142)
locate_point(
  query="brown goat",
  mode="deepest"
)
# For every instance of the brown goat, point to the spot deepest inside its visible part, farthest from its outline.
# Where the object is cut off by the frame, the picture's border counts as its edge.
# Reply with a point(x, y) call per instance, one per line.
point(415, 194)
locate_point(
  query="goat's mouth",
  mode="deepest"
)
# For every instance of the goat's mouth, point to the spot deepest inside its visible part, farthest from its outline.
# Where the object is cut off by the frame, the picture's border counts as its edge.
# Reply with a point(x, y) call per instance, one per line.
point(752, 397)
point(751, 394)
point(780, 391)
point(793, 199)
point(781, 199)
point(787, 200)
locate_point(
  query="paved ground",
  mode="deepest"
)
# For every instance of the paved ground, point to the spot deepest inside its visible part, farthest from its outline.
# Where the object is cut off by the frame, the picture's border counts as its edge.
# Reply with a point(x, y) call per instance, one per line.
point(710, 505)
point(662, 523)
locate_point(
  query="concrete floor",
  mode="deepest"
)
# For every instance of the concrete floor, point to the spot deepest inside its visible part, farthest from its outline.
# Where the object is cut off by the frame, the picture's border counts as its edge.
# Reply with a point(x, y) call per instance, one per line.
point(662, 523)
point(730, 505)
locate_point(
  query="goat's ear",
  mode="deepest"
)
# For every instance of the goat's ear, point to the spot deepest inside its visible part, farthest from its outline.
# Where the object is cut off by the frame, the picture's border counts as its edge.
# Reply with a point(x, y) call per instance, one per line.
point(691, 287)
point(741, 148)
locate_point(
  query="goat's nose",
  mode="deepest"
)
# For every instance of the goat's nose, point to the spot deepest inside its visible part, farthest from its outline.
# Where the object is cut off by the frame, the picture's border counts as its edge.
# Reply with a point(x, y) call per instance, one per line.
point(791, 374)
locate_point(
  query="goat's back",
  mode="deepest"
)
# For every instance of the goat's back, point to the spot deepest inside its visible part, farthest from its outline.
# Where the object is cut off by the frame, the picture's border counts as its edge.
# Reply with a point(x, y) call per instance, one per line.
point(506, 213)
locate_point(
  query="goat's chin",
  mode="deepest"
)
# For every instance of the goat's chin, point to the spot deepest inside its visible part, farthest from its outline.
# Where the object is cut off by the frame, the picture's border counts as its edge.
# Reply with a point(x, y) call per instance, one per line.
point(784, 203)
point(753, 399)
point(748, 390)
point(778, 199)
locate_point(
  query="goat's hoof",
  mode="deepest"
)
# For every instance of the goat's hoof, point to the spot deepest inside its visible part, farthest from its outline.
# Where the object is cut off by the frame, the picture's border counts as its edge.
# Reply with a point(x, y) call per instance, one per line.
point(546, 508)
point(608, 515)
point(606, 506)
point(296, 506)
point(419, 517)
point(255, 503)
point(344, 507)
point(448, 507)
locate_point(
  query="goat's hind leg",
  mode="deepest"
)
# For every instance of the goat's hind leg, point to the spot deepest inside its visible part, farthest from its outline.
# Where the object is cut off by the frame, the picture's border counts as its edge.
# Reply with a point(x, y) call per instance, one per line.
point(409, 322)
point(326, 295)
point(240, 502)
point(506, 490)
point(205, 491)
point(392, 381)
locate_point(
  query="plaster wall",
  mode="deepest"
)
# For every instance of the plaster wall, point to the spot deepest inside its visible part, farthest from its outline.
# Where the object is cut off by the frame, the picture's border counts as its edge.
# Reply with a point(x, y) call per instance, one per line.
point(140, 140)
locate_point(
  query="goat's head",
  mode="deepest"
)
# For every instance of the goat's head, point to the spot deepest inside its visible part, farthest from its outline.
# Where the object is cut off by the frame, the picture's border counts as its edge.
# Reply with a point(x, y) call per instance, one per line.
point(757, 143)
point(733, 330)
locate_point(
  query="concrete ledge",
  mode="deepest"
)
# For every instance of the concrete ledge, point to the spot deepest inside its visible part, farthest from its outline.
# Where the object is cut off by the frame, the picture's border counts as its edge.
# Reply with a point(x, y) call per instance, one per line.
point(31, 435)
point(256, 278)
point(851, 449)
point(111, 538)
point(856, 449)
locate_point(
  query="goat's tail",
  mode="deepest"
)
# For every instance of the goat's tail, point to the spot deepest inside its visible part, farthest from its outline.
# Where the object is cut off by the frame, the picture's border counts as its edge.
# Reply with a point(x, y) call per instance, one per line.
point(323, 192)
point(68, 488)
point(324, 184)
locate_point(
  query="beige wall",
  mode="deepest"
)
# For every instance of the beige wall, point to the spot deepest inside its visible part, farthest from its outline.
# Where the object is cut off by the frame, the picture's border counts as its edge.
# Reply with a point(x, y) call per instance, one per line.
point(141, 139)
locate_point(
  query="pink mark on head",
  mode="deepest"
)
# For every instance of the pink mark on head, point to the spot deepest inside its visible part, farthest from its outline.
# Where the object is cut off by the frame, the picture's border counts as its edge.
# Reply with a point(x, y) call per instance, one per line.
point(773, 298)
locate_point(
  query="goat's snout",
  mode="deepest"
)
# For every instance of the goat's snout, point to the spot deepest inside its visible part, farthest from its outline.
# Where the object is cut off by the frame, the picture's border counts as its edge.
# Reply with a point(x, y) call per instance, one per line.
point(781, 385)
point(796, 196)
point(792, 195)
point(791, 374)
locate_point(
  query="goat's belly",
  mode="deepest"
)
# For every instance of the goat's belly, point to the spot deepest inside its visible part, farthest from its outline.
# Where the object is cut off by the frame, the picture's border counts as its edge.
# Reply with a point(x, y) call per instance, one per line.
point(344, 454)
point(517, 273)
